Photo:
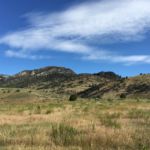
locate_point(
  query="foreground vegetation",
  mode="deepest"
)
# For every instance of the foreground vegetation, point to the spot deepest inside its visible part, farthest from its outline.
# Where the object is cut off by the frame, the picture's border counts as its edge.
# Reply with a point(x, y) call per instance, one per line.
point(78, 125)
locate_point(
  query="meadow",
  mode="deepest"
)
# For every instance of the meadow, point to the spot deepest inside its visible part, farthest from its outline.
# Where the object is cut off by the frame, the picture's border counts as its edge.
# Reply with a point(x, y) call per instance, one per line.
point(92, 124)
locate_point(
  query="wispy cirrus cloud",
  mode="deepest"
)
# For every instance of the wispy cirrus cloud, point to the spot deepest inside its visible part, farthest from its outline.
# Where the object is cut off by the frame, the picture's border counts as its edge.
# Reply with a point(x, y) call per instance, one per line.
point(127, 60)
point(24, 55)
point(73, 30)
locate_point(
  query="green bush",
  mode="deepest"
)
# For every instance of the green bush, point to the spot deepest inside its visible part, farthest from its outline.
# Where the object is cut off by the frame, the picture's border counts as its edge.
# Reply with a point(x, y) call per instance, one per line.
point(48, 111)
point(73, 97)
point(123, 96)
point(17, 90)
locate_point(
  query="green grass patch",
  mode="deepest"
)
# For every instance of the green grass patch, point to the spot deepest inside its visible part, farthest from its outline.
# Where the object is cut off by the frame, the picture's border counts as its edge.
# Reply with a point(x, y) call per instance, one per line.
point(63, 134)
point(110, 120)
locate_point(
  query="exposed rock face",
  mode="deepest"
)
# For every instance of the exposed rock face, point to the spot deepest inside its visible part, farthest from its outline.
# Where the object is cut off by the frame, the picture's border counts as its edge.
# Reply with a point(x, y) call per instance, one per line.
point(136, 88)
point(98, 91)
point(131, 87)
point(46, 71)
point(36, 77)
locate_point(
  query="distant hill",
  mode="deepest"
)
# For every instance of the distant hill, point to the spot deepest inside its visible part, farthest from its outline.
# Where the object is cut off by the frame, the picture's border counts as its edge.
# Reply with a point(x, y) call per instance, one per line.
point(29, 78)
point(46, 71)
point(134, 87)
point(62, 80)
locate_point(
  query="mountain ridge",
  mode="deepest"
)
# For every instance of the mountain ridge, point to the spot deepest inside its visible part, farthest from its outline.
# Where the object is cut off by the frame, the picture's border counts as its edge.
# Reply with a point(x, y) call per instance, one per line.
point(63, 80)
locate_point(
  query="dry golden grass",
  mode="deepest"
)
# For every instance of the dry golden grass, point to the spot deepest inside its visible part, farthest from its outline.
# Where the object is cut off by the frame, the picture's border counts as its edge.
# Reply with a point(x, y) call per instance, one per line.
point(79, 125)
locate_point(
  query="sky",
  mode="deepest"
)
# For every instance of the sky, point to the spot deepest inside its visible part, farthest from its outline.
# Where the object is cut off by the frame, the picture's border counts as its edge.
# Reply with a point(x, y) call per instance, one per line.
point(87, 36)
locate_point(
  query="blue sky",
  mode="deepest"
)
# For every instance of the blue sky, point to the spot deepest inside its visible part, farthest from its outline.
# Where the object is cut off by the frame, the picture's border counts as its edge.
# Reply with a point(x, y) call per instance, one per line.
point(85, 35)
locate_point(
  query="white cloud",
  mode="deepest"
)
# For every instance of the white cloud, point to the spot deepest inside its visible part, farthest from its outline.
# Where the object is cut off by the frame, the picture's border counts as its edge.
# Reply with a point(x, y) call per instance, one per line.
point(24, 55)
point(126, 59)
point(73, 29)
point(122, 17)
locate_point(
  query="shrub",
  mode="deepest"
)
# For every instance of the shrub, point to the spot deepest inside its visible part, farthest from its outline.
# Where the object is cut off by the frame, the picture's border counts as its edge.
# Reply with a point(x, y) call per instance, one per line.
point(123, 96)
point(48, 111)
point(73, 97)
point(109, 99)
point(81, 82)
point(17, 90)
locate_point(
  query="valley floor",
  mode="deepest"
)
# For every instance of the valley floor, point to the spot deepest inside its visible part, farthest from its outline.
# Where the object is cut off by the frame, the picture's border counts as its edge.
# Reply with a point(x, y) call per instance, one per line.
point(79, 125)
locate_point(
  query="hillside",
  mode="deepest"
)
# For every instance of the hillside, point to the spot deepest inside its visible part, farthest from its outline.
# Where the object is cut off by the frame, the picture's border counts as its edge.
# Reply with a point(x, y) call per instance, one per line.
point(64, 81)
point(111, 112)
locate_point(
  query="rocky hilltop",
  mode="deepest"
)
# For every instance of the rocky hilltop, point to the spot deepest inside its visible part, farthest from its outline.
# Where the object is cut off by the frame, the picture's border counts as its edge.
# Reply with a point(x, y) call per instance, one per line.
point(62, 80)
point(46, 71)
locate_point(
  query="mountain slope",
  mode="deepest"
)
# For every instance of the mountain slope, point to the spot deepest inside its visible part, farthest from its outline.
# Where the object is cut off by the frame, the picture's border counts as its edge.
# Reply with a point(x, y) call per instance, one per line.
point(29, 78)
point(60, 80)
point(135, 87)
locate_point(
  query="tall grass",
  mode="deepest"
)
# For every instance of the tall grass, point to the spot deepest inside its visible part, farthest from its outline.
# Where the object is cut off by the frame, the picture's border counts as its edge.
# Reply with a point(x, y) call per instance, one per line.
point(63, 134)
point(81, 125)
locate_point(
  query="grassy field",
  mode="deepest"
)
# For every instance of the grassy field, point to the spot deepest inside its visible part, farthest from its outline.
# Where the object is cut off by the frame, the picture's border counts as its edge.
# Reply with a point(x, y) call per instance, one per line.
point(80, 125)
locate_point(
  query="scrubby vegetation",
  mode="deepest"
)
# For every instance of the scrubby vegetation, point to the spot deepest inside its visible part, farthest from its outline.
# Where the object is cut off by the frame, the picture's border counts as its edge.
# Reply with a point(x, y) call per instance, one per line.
point(78, 125)
point(65, 81)
point(54, 108)
point(73, 97)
